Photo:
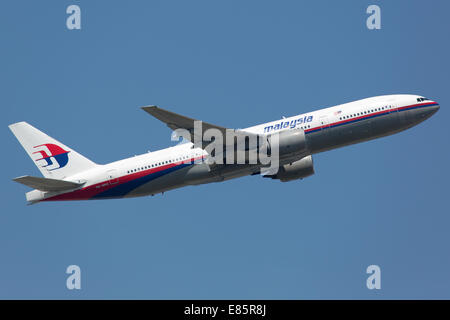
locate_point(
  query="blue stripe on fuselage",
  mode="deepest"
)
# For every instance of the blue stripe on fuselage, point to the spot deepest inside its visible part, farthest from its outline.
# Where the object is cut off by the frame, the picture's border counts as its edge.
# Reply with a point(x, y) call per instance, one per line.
point(369, 116)
point(122, 189)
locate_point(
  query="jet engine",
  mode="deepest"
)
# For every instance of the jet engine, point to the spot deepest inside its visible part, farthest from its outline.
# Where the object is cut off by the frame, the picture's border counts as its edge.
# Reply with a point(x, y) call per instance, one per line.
point(296, 170)
point(290, 143)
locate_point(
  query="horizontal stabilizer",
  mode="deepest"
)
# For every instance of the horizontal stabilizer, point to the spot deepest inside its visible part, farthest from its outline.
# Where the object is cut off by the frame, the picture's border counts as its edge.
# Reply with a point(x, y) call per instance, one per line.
point(47, 184)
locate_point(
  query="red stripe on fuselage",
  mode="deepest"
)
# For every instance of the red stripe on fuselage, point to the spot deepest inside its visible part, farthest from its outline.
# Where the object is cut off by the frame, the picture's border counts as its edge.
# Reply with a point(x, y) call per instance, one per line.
point(371, 115)
point(92, 190)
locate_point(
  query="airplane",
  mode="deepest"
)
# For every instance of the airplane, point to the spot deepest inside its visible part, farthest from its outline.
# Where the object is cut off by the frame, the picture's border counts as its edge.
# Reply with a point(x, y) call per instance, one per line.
point(70, 176)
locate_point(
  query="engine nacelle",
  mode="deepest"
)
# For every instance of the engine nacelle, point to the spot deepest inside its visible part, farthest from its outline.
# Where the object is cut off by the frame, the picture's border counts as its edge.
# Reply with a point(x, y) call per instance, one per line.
point(296, 170)
point(290, 143)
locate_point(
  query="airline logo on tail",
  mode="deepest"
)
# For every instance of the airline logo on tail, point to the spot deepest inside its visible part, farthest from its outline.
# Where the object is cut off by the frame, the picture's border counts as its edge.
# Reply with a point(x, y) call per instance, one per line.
point(57, 158)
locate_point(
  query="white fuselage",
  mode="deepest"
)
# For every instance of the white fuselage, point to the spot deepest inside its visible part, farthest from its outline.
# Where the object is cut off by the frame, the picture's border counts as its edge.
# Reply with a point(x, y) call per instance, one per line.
point(182, 165)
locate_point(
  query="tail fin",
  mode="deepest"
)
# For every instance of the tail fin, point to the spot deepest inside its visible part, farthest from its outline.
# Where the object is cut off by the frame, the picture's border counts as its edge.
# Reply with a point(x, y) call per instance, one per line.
point(54, 159)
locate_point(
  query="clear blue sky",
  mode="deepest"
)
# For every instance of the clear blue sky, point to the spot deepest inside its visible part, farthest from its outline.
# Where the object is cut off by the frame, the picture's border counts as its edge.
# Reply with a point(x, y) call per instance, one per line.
point(237, 64)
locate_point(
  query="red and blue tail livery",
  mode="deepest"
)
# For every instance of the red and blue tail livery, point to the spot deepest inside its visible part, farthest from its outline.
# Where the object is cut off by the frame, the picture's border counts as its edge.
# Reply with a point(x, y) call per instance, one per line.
point(53, 155)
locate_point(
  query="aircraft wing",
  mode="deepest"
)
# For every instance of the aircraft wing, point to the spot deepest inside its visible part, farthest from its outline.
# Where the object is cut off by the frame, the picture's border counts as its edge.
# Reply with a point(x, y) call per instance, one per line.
point(176, 121)
point(47, 184)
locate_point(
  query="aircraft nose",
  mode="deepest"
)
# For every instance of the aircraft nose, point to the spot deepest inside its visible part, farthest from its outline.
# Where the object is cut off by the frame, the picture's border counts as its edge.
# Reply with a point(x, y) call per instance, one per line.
point(434, 109)
point(425, 111)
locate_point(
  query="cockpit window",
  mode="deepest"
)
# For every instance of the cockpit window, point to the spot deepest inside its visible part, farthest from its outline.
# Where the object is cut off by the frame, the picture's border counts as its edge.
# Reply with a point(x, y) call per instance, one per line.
point(422, 99)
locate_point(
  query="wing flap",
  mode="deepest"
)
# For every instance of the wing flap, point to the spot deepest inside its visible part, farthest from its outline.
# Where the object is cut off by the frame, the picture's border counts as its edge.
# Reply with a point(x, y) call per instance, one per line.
point(47, 184)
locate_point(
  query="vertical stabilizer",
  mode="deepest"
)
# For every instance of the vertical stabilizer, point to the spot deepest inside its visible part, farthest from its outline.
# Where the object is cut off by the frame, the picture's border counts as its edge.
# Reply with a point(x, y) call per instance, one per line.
point(54, 159)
